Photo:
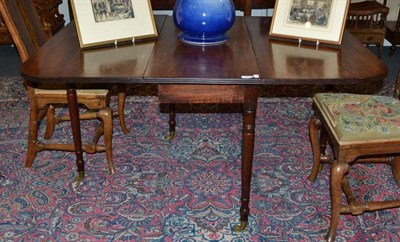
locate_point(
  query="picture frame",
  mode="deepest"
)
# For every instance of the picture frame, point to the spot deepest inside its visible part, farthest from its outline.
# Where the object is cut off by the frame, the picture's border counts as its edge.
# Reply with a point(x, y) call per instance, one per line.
point(105, 22)
point(322, 21)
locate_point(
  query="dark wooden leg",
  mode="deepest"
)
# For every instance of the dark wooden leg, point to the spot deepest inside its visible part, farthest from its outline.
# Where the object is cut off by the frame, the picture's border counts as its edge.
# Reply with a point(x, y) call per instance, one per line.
point(323, 142)
point(172, 122)
point(379, 50)
point(392, 49)
point(338, 170)
point(76, 130)
point(249, 118)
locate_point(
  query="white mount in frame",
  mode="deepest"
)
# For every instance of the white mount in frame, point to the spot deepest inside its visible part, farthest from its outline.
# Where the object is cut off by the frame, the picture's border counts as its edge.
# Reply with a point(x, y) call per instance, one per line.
point(313, 20)
point(102, 22)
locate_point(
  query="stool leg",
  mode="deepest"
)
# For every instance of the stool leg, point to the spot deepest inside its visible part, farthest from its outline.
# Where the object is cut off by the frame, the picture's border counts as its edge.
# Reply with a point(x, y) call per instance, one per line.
point(314, 127)
point(121, 108)
point(338, 170)
point(106, 116)
point(395, 164)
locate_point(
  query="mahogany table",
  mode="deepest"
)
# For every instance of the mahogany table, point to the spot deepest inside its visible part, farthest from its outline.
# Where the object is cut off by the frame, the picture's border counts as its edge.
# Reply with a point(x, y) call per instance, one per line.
point(229, 73)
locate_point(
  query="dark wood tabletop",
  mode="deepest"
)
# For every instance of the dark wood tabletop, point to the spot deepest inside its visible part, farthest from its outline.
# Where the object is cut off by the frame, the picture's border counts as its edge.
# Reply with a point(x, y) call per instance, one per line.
point(176, 62)
point(249, 51)
point(284, 62)
point(60, 59)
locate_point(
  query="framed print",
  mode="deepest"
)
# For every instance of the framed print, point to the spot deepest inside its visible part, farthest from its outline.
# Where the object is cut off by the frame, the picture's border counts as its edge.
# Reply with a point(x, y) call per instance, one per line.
point(102, 22)
point(313, 20)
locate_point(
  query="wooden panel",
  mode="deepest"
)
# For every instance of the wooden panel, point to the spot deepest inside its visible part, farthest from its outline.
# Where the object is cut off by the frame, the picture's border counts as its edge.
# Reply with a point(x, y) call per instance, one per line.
point(393, 32)
point(200, 93)
point(393, 5)
point(5, 37)
point(50, 17)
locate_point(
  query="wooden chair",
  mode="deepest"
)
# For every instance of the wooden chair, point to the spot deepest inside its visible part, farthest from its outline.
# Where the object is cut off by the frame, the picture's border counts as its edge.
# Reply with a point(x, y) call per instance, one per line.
point(27, 33)
point(367, 22)
point(358, 128)
point(393, 33)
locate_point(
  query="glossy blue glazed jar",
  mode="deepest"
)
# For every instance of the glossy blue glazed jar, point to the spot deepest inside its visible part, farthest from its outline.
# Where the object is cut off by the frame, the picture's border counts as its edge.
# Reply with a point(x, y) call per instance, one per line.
point(204, 22)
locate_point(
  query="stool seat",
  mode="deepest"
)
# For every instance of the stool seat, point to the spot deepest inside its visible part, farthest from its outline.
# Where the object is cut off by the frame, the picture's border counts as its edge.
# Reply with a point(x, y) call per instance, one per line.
point(360, 118)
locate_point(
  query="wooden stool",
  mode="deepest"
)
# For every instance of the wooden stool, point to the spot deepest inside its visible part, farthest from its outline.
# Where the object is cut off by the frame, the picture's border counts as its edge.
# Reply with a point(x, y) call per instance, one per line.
point(358, 128)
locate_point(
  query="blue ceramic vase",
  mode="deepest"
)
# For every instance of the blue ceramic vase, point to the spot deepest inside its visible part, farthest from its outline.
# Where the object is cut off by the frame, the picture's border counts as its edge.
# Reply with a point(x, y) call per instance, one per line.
point(204, 22)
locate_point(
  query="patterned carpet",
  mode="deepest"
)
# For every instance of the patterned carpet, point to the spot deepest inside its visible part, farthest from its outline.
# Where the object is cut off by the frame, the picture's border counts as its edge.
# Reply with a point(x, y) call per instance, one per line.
point(184, 190)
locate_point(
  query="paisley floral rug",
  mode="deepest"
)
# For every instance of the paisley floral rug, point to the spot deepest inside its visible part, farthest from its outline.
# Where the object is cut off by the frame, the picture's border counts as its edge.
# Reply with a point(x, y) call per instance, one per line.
point(187, 189)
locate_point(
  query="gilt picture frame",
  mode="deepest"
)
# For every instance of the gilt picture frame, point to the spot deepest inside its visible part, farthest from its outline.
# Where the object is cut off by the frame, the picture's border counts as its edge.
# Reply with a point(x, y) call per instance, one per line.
point(313, 20)
point(105, 22)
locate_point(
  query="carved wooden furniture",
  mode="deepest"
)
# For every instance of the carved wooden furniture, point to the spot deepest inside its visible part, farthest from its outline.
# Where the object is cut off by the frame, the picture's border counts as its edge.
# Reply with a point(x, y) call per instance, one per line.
point(220, 69)
point(358, 128)
point(367, 21)
point(28, 35)
point(393, 33)
point(51, 19)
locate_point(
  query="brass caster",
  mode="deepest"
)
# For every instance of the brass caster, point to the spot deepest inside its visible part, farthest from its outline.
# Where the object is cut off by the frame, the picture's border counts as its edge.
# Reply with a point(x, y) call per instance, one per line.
point(241, 227)
point(170, 136)
point(79, 178)
point(111, 170)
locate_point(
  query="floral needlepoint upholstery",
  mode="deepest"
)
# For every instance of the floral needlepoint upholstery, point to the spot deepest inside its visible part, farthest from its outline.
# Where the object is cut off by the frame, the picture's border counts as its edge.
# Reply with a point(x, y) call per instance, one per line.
point(355, 118)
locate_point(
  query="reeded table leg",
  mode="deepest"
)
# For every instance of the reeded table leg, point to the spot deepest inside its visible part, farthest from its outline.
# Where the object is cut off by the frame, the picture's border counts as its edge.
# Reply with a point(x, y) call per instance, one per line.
point(76, 130)
point(249, 117)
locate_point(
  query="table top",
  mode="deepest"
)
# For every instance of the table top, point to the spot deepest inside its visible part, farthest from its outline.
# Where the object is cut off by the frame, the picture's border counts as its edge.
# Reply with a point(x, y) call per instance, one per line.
point(175, 62)
point(249, 51)
point(285, 62)
point(62, 60)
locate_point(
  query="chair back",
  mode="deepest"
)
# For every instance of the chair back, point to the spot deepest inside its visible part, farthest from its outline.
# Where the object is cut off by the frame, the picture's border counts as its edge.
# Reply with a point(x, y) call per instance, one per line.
point(24, 25)
point(396, 93)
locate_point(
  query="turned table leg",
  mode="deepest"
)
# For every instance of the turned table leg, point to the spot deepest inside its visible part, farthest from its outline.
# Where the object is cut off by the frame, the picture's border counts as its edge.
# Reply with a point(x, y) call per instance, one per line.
point(248, 134)
point(76, 130)
point(172, 122)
